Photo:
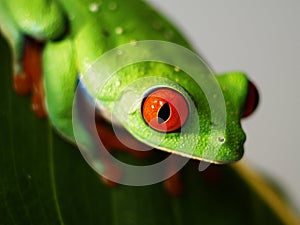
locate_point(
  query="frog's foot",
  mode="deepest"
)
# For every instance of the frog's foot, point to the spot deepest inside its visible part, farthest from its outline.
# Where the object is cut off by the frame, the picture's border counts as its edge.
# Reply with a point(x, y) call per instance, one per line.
point(173, 184)
point(128, 143)
point(112, 143)
point(30, 79)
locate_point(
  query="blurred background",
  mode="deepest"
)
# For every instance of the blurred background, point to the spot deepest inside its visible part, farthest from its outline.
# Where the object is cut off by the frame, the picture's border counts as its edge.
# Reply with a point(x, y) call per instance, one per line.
point(261, 38)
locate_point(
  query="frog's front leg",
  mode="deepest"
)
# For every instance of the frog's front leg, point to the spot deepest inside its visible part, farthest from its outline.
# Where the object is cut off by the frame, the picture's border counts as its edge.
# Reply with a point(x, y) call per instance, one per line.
point(16, 39)
point(60, 81)
point(22, 23)
point(30, 79)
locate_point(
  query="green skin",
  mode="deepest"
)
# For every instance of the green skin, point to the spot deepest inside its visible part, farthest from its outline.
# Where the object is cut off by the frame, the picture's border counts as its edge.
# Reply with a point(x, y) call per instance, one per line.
point(77, 32)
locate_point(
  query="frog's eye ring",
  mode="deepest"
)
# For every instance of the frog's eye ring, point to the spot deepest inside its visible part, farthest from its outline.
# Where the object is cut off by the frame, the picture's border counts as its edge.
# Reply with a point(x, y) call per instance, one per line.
point(165, 110)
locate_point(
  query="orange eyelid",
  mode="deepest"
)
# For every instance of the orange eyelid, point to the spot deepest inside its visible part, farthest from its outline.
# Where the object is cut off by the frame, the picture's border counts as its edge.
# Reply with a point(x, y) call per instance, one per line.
point(165, 110)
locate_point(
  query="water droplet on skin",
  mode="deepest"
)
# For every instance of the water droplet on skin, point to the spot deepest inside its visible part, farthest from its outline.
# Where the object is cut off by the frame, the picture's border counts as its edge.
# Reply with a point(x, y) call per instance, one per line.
point(118, 83)
point(112, 6)
point(182, 146)
point(119, 30)
point(177, 69)
point(119, 52)
point(133, 108)
point(94, 7)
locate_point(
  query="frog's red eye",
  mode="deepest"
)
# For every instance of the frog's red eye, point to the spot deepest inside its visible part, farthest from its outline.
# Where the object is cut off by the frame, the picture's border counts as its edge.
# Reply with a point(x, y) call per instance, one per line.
point(252, 100)
point(165, 110)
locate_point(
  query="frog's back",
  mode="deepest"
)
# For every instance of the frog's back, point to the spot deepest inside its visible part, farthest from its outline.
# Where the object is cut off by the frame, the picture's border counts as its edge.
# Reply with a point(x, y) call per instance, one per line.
point(93, 26)
point(98, 26)
point(121, 21)
point(118, 21)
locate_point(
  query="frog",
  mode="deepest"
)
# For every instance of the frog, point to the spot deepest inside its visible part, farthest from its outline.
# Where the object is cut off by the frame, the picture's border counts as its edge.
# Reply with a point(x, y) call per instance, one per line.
point(56, 44)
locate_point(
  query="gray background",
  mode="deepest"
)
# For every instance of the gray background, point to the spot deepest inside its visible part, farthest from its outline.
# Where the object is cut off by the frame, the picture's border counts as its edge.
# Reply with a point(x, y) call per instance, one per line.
point(261, 38)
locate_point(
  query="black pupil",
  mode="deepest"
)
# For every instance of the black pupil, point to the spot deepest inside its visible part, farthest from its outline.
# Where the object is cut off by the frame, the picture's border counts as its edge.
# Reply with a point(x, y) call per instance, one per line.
point(164, 113)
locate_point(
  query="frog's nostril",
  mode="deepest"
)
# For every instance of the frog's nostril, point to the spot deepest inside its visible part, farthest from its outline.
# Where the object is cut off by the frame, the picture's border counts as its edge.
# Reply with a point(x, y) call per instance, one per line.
point(252, 100)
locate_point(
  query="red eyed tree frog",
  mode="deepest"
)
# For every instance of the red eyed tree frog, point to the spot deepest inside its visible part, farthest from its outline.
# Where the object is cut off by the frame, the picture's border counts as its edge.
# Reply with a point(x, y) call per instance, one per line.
point(61, 39)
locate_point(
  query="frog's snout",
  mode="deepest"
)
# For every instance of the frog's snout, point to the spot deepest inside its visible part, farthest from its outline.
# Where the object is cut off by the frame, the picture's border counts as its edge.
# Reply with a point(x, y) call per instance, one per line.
point(252, 100)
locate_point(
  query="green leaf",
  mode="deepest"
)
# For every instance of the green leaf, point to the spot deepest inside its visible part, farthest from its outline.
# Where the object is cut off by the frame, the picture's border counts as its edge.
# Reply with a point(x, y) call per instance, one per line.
point(45, 180)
